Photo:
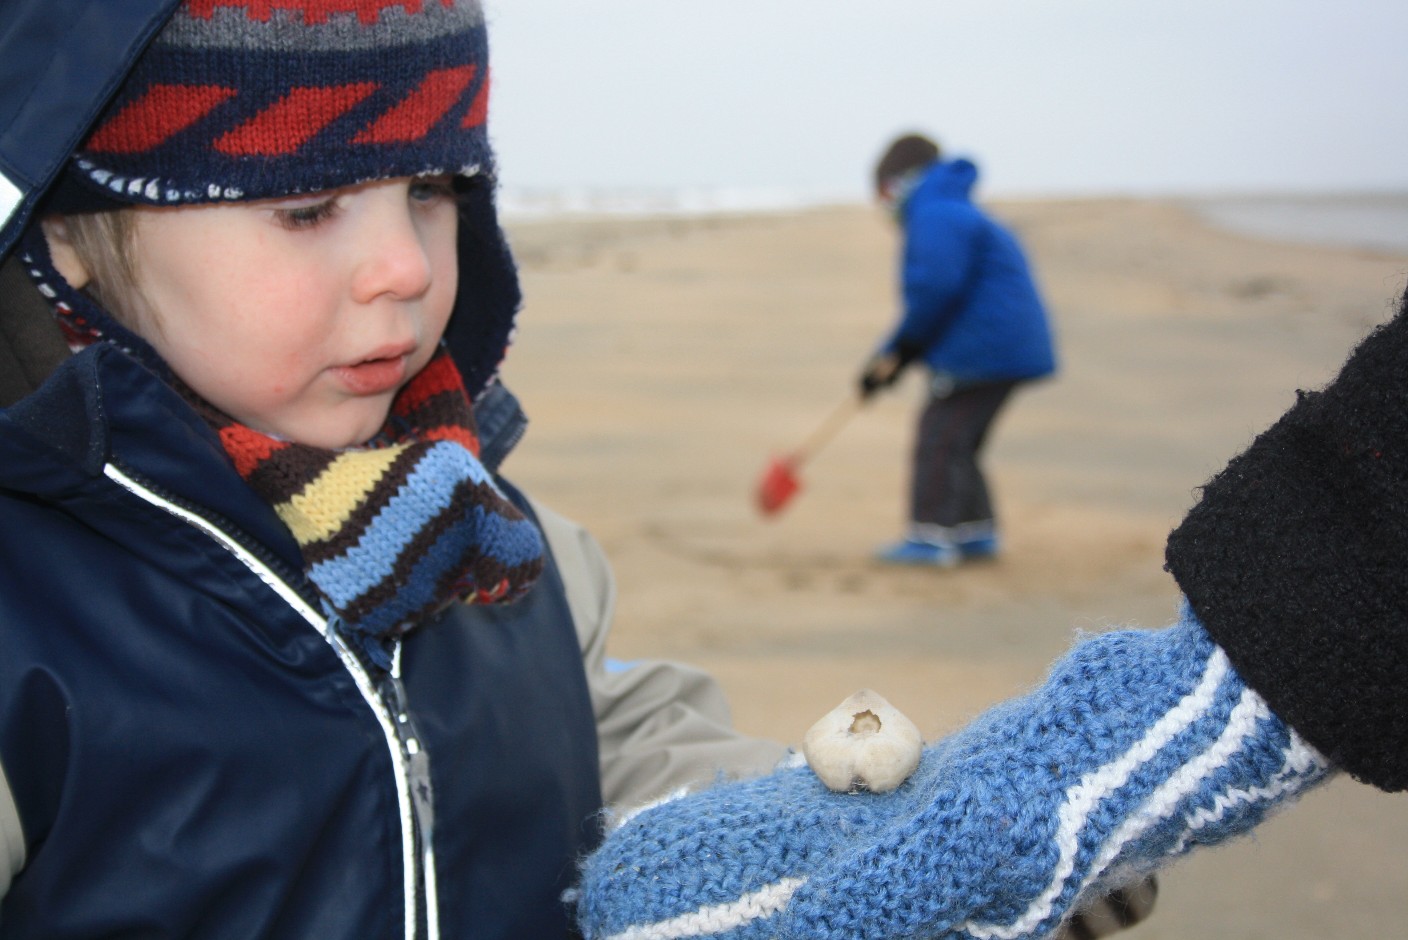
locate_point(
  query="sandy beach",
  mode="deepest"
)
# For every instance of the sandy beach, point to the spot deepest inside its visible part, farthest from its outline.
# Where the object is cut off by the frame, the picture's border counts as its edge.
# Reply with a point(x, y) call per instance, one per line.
point(665, 361)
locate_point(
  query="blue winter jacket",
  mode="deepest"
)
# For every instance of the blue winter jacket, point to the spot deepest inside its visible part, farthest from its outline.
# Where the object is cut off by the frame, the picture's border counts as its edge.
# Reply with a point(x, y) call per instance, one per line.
point(971, 308)
point(193, 755)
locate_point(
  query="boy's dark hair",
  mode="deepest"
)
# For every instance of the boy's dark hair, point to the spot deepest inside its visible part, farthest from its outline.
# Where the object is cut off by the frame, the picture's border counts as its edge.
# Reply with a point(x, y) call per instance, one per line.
point(910, 152)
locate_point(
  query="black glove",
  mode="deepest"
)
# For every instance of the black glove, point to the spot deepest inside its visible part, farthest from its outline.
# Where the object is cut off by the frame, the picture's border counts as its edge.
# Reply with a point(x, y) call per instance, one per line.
point(1293, 560)
point(884, 368)
point(880, 372)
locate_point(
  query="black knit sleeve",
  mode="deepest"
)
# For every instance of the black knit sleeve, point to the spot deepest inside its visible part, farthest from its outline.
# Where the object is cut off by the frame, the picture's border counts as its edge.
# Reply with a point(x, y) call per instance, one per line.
point(1295, 559)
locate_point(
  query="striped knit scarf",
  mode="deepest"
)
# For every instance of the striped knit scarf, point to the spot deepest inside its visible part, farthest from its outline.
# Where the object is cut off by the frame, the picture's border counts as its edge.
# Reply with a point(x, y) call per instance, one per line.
point(395, 531)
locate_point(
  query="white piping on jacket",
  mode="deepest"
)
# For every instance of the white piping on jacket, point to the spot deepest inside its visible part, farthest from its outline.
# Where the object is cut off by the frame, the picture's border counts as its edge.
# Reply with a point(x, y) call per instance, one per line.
point(364, 685)
point(12, 847)
point(10, 198)
point(432, 893)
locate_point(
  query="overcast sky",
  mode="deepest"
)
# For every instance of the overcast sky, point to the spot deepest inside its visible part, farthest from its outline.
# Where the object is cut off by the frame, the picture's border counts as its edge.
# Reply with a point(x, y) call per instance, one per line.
point(1049, 96)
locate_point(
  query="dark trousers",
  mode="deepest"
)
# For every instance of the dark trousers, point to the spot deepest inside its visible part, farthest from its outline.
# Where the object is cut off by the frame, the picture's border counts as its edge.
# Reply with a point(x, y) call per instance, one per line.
point(947, 485)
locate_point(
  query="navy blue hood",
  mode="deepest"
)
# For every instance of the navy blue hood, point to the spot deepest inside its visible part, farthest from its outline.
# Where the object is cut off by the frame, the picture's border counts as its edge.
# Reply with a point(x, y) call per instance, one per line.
point(61, 61)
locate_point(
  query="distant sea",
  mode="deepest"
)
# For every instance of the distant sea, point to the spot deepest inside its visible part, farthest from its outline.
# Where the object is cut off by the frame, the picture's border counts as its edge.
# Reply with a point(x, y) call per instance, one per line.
point(1377, 222)
point(542, 203)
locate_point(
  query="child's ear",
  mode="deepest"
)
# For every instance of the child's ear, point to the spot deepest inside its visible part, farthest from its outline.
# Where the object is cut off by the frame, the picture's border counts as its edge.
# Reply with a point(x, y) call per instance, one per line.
point(61, 250)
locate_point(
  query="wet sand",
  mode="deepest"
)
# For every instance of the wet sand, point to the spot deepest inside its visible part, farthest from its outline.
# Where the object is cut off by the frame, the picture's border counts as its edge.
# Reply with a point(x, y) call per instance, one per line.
point(665, 361)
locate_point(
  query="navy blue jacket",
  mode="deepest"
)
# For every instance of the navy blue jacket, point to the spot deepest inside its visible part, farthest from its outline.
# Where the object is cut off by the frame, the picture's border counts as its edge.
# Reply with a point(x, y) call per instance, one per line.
point(191, 756)
point(970, 305)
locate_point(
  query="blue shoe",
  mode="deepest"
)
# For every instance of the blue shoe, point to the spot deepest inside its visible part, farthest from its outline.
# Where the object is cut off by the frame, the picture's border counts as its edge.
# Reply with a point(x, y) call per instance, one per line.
point(985, 548)
point(915, 552)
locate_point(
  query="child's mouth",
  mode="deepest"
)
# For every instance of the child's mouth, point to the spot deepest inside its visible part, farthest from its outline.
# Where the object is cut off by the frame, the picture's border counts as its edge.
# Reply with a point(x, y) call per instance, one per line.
point(372, 376)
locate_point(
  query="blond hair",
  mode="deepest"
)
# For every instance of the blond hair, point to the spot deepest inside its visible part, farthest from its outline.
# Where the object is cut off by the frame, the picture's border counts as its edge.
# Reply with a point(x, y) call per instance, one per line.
point(103, 242)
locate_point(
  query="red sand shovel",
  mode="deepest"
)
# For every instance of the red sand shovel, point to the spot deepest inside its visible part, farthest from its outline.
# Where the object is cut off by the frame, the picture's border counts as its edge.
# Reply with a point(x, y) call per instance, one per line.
point(780, 481)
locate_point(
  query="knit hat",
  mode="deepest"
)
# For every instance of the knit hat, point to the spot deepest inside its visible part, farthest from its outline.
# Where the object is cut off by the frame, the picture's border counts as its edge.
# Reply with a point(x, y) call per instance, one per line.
point(265, 98)
point(249, 100)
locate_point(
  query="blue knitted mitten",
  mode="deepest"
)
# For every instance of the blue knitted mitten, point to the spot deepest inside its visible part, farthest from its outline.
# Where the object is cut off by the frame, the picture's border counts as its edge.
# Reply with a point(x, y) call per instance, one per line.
point(1139, 746)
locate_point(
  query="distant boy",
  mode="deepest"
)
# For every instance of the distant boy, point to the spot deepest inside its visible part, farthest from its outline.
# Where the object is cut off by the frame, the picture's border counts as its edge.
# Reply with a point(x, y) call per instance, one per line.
point(972, 314)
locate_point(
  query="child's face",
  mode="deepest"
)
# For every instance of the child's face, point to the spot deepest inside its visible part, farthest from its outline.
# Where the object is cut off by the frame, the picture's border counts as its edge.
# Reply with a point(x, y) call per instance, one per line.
point(301, 317)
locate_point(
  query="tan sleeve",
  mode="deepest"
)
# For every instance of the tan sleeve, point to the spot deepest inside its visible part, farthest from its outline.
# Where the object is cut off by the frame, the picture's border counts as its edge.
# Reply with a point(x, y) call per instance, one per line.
point(11, 836)
point(660, 725)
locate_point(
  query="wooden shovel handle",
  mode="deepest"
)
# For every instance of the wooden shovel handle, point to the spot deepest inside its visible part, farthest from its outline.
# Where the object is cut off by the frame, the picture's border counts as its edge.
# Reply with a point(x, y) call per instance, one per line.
point(826, 430)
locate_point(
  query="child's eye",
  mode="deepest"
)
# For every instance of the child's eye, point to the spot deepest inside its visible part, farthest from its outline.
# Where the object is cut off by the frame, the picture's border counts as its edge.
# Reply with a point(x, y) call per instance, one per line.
point(430, 189)
point(300, 214)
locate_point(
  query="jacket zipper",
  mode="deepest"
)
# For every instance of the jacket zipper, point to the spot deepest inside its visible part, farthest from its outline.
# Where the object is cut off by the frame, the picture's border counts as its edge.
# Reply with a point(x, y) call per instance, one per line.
point(393, 693)
point(402, 752)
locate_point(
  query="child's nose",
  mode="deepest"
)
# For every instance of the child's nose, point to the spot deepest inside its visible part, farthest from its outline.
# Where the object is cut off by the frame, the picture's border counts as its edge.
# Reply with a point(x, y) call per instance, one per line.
point(395, 260)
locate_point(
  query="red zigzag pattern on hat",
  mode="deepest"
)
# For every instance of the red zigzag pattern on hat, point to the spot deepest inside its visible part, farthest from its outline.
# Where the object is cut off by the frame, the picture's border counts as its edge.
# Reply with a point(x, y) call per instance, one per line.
point(315, 12)
point(288, 123)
